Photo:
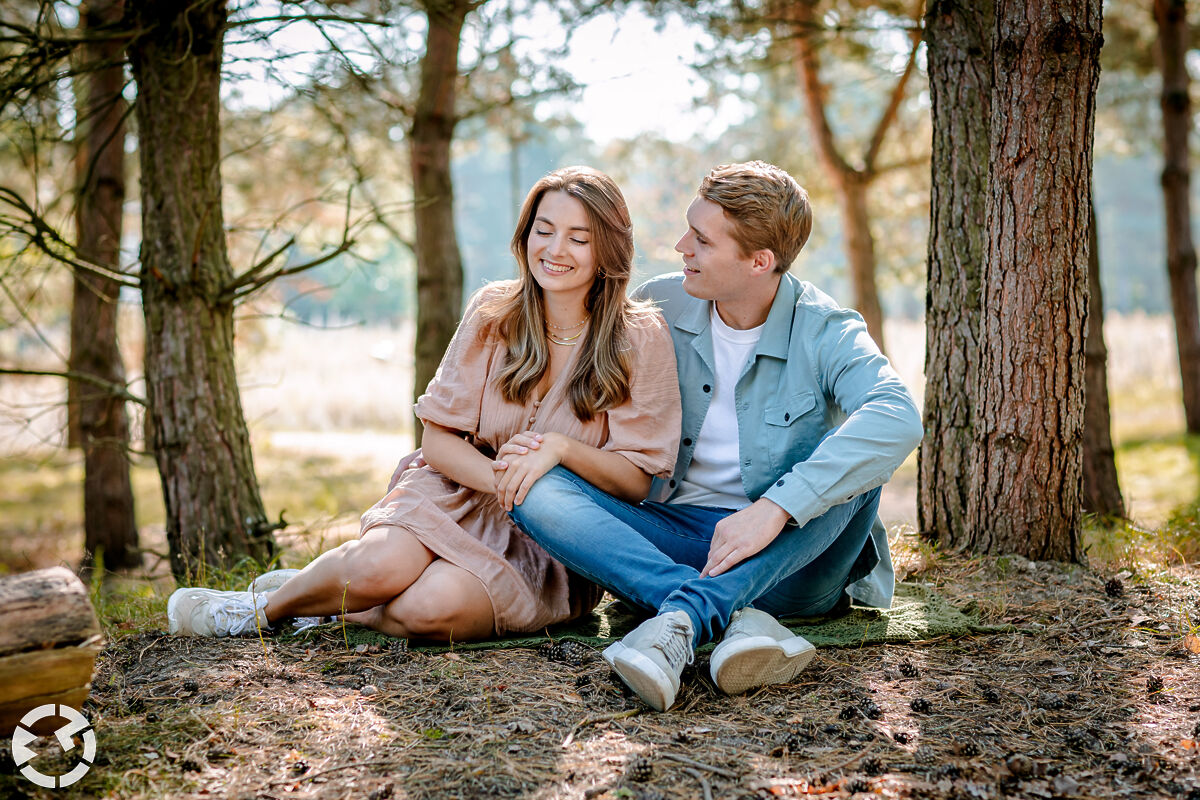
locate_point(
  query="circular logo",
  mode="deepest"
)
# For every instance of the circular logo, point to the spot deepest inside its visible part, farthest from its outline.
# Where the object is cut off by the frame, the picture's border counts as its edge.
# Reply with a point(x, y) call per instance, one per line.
point(77, 724)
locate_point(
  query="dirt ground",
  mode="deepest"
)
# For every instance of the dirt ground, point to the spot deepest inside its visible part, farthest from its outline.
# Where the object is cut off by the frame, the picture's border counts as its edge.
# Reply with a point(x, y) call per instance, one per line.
point(1092, 692)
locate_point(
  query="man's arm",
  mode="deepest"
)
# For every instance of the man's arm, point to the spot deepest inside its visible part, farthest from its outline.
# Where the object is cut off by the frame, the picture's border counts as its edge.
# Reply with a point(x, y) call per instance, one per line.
point(882, 427)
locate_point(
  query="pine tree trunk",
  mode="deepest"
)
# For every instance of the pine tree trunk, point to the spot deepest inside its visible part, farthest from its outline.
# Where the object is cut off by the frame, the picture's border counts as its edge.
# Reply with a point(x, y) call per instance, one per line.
point(860, 251)
point(958, 37)
point(1171, 17)
point(213, 509)
point(1025, 496)
point(1101, 489)
point(109, 525)
point(439, 264)
point(850, 184)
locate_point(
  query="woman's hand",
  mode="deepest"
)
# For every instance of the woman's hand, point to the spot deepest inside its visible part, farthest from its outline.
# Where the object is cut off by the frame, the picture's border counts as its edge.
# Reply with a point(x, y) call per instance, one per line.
point(523, 459)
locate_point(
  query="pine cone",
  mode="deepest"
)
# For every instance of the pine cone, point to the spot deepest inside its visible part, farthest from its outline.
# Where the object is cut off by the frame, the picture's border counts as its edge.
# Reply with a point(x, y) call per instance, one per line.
point(921, 705)
point(849, 712)
point(858, 784)
point(872, 766)
point(1114, 587)
point(871, 710)
point(639, 769)
point(908, 670)
point(902, 737)
point(572, 654)
point(1154, 684)
point(990, 695)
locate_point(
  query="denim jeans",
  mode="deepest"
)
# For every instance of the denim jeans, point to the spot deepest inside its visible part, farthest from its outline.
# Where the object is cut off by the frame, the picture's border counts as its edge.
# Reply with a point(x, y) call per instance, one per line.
point(651, 554)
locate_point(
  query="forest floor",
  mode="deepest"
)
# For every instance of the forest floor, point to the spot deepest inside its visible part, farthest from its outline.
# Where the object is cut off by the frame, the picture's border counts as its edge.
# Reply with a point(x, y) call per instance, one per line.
point(1089, 693)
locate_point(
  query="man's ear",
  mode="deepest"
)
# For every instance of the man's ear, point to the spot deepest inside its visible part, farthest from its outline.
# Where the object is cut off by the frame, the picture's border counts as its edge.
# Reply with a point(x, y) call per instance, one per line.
point(764, 262)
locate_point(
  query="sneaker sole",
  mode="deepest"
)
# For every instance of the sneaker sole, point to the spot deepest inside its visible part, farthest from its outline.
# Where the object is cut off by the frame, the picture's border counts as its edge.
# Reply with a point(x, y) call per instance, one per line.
point(172, 622)
point(645, 677)
point(759, 661)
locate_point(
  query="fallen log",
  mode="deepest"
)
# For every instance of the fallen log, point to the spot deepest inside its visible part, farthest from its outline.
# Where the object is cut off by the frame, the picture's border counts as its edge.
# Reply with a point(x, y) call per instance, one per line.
point(49, 638)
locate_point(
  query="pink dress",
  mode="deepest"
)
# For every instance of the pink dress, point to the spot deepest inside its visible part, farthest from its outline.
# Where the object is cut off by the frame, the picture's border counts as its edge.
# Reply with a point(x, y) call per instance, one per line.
point(528, 589)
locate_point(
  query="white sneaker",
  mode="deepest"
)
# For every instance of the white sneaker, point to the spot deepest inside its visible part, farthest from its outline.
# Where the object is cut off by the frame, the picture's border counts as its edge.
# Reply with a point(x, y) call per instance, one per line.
point(757, 651)
point(270, 581)
point(208, 612)
point(651, 657)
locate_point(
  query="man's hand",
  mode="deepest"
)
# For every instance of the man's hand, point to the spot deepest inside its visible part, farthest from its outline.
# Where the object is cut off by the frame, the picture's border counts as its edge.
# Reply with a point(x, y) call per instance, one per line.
point(742, 534)
point(521, 461)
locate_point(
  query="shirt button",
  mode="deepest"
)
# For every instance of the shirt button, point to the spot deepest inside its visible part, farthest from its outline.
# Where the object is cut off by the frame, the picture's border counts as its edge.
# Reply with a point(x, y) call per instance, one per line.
point(706, 388)
point(779, 482)
point(687, 442)
point(786, 417)
point(672, 483)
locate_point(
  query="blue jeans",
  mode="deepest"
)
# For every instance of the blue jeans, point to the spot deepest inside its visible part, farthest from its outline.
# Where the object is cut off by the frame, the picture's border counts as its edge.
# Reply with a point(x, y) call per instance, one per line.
point(651, 554)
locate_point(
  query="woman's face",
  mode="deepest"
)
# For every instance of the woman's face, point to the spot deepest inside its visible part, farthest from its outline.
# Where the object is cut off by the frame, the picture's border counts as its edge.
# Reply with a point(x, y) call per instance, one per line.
point(560, 246)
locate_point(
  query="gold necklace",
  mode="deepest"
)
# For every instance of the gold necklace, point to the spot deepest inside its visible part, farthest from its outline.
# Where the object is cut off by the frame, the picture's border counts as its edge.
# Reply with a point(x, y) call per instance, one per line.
point(550, 324)
point(567, 341)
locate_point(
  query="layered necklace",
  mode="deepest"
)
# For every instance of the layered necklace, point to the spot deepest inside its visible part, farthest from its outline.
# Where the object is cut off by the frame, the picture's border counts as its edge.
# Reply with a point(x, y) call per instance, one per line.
point(561, 338)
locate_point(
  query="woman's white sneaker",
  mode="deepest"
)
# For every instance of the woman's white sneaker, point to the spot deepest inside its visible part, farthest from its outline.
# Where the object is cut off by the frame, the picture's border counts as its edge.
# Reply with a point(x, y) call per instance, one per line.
point(209, 612)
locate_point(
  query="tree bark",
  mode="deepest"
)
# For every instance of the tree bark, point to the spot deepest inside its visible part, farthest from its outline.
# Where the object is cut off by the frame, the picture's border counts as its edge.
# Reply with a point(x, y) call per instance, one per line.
point(1101, 489)
point(1171, 18)
point(214, 514)
point(439, 264)
point(1025, 496)
point(958, 37)
point(109, 525)
point(851, 183)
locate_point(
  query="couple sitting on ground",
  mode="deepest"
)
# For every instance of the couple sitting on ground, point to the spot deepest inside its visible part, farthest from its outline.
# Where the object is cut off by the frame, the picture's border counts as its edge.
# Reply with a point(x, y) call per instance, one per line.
point(757, 413)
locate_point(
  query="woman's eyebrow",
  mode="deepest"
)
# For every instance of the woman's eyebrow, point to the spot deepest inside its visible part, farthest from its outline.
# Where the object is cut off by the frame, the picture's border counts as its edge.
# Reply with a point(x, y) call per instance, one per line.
point(583, 228)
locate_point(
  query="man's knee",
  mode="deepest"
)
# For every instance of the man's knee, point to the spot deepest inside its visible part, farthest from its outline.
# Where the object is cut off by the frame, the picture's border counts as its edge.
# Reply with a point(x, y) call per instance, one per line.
point(550, 496)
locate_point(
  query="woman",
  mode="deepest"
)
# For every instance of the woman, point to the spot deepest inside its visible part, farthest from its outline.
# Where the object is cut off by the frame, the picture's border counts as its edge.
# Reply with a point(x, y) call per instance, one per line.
point(556, 367)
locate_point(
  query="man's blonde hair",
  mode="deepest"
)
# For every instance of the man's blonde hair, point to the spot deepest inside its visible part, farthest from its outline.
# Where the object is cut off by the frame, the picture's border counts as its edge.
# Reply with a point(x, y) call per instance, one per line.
point(768, 208)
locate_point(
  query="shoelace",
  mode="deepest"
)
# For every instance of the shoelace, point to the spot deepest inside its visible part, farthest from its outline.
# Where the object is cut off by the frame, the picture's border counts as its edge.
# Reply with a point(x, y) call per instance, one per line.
point(302, 624)
point(675, 642)
point(235, 615)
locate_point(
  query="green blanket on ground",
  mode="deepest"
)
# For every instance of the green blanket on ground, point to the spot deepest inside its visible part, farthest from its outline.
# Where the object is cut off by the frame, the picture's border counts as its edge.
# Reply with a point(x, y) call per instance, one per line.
point(917, 613)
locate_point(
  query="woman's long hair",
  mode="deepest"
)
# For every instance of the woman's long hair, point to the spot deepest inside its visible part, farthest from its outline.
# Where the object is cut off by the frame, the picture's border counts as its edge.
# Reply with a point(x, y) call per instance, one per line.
point(600, 379)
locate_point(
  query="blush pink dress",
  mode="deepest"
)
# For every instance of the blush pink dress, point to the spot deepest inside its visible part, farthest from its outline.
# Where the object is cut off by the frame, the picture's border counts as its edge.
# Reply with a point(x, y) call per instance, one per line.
point(528, 589)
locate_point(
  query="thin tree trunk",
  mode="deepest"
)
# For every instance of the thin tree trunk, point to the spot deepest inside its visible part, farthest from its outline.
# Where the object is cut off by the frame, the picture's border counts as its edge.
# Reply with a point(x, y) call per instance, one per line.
point(439, 264)
point(213, 509)
point(958, 36)
point(1101, 490)
point(1025, 496)
point(1171, 17)
point(851, 183)
point(110, 527)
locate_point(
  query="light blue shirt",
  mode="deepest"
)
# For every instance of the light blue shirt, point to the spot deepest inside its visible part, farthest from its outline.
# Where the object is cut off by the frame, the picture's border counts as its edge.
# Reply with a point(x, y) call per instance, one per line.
point(822, 416)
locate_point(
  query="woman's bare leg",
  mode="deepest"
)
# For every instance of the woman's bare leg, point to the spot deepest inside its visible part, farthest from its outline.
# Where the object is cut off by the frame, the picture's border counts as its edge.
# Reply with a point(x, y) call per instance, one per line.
point(446, 603)
point(356, 576)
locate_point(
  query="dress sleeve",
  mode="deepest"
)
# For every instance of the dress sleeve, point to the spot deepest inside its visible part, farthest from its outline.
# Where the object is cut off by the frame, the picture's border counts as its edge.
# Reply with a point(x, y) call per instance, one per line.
point(455, 395)
point(645, 428)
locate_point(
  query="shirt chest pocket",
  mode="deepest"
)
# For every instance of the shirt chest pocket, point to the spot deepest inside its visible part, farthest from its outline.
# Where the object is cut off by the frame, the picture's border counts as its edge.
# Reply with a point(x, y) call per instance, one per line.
point(792, 430)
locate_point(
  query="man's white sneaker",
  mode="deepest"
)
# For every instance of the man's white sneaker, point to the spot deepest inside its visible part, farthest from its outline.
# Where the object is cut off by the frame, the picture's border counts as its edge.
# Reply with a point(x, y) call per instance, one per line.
point(208, 612)
point(757, 651)
point(651, 657)
point(270, 581)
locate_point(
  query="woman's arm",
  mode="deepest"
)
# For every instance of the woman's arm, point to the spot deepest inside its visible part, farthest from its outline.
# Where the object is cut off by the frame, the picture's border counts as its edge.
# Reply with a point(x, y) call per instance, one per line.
point(449, 453)
point(528, 456)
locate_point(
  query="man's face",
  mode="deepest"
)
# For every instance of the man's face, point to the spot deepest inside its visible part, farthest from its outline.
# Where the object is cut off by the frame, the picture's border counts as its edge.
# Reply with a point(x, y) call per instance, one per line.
point(714, 267)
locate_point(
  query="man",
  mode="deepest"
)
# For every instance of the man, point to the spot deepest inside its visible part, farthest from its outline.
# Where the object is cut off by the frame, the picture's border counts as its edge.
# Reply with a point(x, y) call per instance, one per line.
point(792, 420)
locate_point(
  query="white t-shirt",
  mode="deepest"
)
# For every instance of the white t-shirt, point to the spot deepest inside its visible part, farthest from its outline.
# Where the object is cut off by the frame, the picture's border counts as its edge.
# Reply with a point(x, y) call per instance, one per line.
point(714, 478)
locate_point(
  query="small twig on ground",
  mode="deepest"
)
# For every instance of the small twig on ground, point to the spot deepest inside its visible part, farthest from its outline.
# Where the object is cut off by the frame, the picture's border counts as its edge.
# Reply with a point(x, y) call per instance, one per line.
point(695, 773)
point(324, 772)
point(570, 737)
point(724, 773)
